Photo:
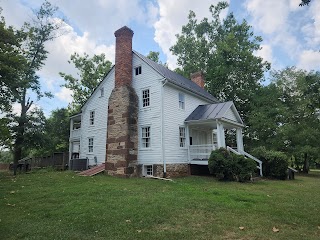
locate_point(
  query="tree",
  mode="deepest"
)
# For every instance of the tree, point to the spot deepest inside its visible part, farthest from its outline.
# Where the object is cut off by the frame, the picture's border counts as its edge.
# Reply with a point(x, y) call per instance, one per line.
point(225, 53)
point(154, 56)
point(30, 47)
point(300, 130)
point(91, 72)
point(304, 3)
point(12, 63)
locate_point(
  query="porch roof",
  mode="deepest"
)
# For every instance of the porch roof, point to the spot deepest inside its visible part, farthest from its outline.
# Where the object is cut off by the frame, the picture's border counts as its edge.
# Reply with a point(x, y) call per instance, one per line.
point(221, 111)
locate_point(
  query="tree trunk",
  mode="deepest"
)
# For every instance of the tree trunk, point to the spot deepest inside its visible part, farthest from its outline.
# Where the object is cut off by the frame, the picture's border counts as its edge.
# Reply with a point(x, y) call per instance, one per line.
point(19, 137)
point(306, 163)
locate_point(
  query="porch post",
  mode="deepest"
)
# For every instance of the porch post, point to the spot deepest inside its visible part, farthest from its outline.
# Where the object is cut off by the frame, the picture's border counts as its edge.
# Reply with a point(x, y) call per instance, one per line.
point(239, 140)
point(220, 135)
point(188, 141)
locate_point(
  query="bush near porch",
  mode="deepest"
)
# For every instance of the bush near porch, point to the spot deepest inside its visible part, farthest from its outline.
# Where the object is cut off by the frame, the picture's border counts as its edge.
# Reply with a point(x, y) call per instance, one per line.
point(274, 163)
point(231, 167)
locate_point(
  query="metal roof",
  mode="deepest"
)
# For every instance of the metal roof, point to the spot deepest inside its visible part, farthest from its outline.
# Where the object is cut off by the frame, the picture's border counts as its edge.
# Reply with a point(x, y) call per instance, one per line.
point(210, 111)
point(177, 79)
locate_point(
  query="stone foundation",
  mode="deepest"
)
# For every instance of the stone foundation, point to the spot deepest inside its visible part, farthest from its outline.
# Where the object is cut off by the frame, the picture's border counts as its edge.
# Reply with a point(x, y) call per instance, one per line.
point(173, 170)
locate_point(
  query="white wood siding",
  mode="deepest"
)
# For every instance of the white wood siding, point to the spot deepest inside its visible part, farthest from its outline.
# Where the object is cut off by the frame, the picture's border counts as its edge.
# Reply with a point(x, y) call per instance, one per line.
point(98, 131)
point(148, 116)
point(230, 115)
point(173, 118)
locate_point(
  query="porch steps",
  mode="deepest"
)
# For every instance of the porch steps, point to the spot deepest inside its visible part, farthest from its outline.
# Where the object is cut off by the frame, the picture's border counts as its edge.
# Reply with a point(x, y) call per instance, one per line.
point(93, 171)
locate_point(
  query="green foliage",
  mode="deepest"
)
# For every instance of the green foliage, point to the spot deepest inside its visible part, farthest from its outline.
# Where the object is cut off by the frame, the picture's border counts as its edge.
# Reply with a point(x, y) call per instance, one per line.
point(91, 72)
point(154, 56)
point(304, 3)
point(274, 163)
point(6, 156)
point(224, 51)
point(228, 166)
point(25, 50)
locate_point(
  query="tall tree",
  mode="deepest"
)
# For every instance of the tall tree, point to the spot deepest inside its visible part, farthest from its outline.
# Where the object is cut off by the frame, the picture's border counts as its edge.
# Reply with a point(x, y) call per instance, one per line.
point(91, 72)
point(12, 63)
point(31, 39)
point(226, 53)
point(301, 129)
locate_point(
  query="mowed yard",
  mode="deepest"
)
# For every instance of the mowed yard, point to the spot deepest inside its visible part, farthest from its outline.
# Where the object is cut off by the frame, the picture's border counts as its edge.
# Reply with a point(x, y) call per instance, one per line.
point(62, 205)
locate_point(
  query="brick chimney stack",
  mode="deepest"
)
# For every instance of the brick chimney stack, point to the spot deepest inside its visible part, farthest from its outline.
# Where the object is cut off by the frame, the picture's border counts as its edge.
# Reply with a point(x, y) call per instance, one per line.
point(123, 66)
point(198, 78)
point(122, 128)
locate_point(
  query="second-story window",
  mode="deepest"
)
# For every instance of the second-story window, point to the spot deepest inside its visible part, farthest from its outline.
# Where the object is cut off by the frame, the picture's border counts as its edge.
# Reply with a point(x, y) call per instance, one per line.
point(145, 98)
point(91, 120)
point(181, 101)
point(138, 70)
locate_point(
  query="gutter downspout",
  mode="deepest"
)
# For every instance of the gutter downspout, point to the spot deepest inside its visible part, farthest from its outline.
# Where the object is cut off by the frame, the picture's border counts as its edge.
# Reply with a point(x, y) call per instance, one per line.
point(162, 130)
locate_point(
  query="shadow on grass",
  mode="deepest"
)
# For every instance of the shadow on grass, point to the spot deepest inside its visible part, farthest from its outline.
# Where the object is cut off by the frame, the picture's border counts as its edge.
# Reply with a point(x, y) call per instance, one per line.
point(315, 173)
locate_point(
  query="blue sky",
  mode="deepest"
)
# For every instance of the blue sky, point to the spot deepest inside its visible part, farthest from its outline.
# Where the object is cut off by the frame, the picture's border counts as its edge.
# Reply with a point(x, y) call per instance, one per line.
point(291, 33)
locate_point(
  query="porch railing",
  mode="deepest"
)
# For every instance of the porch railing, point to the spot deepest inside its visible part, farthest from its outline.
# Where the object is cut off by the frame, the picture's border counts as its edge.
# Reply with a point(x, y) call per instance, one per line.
point(248, 156)
point(200, 152)
point(75, 133)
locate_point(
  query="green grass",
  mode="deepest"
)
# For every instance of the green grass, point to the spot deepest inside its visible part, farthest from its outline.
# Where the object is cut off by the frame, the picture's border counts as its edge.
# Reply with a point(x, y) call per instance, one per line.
point(62, 205)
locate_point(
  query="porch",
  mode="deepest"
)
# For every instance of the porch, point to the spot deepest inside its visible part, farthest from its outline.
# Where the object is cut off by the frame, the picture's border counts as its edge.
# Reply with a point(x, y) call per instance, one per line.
point(206, 130)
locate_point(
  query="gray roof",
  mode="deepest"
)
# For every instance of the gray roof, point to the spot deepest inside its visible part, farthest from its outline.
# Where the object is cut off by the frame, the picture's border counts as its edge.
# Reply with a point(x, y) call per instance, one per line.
point(209, 111)
point(177, 79)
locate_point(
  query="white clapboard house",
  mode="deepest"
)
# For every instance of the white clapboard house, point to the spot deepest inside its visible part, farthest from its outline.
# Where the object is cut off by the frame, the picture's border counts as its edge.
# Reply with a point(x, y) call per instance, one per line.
point(176, 122)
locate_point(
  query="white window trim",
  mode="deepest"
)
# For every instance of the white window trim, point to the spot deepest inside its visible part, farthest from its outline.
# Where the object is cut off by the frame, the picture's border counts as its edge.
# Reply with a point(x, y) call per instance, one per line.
point(90, 145)
point(92, 119)
point(184, 101)
point(145, 169)
point(101, 92)
point(144, 89)
point(185, 137)
point(135, 69)
point(141, 138)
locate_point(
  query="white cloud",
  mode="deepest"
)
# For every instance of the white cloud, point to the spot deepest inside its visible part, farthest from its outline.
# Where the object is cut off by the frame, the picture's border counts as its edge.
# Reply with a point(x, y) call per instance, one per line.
point(64, 95)
point(265, 52)
point(173, 15)
point(309, 60)
point(268, 16)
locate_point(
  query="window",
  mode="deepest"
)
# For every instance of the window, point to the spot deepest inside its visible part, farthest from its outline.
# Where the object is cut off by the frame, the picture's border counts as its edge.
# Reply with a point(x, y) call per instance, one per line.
point(101, 92)
point(146, 98)
point(145, 137)
point(90, 145)
point(181, 101)
point(138, 70)
point(182, 136)
point(148, 169)
point(91, 117)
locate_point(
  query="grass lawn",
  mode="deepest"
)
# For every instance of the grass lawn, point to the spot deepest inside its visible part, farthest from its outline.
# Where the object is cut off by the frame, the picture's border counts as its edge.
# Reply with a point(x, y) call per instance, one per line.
point(62, 205)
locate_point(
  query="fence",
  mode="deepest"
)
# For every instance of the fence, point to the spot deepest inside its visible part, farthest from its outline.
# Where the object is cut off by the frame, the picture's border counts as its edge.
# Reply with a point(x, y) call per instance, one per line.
point(58, 160)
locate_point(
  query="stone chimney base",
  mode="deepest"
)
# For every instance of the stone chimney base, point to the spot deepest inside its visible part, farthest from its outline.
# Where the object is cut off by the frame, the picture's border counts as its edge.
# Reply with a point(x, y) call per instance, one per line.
point(122, 132)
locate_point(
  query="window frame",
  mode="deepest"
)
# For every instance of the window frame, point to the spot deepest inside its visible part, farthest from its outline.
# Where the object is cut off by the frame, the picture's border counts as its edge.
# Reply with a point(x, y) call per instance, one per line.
point(91, 117)
point(148, 170)
point(90, 144)
point(137, 70)
point(182, 101)
point(182, 137)
point(102, 92)
point(146, 140)
point(148, 99)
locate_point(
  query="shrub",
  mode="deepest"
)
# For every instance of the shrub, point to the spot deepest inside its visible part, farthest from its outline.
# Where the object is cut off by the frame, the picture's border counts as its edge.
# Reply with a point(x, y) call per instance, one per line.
point(274, 163)
point(228, 166)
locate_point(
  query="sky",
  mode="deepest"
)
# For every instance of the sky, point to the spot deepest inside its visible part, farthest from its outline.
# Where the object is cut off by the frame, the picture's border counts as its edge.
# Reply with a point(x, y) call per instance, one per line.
point(291, 34)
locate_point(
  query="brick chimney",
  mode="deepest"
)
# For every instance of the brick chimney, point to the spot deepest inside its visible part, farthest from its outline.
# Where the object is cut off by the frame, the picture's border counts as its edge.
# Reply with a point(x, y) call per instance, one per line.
point(123, 66)
point(198, 78)
point(122, 128)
